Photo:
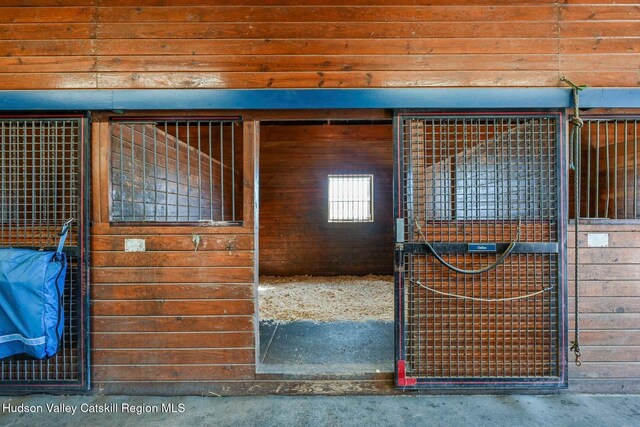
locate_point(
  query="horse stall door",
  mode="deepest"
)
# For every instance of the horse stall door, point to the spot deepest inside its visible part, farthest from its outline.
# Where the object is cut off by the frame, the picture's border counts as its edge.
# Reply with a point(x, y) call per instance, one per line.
point(480, 251)
point(43, 162)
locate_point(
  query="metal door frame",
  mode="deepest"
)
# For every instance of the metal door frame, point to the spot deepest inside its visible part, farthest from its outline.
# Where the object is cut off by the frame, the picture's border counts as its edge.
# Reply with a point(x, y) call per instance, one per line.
point(83, 383)
point(405, 382)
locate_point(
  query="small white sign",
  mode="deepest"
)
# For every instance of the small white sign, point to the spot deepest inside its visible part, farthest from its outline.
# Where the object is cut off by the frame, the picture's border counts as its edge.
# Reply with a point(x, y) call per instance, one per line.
point(134, 245)
point(598, 240)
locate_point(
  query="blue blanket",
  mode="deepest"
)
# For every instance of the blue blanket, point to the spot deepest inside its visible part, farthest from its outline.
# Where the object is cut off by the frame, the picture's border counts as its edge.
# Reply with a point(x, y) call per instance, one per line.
point(31, 312)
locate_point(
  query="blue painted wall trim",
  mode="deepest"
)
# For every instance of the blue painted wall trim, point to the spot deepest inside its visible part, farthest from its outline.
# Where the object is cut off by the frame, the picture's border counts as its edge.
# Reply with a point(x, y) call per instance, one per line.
point(269, 99)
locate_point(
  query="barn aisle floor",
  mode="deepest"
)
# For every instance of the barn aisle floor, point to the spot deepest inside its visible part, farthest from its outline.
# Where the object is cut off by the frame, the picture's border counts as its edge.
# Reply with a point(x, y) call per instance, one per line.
point(364, 411)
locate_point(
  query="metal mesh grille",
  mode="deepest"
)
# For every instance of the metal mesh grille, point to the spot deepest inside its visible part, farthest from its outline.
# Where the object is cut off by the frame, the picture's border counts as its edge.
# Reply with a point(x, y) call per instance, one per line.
point(478, 177)
point(452, 337)
point(480, 180)
point(40, 189)
point(609, 168)
point(176, 171)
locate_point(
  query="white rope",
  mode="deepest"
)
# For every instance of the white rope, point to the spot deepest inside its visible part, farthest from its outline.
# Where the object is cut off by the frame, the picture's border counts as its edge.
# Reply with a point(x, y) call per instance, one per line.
point(481, 299)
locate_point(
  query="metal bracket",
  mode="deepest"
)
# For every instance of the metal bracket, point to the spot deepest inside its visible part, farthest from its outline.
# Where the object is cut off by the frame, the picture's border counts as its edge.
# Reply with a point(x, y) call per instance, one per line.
point(400, 230)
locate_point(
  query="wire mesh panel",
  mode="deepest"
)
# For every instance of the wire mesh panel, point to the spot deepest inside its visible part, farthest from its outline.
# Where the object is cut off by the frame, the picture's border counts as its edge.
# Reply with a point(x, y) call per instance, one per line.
point(187, 170)
point(479, 259)
point(41, 187)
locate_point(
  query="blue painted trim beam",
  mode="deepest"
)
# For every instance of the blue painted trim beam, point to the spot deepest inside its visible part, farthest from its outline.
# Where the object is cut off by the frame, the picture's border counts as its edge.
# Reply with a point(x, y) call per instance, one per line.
point(272, 99)
point(610, 98)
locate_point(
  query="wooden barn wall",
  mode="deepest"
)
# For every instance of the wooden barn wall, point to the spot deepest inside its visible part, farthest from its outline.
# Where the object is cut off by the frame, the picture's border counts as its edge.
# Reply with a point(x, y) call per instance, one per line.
point(295, 235)
point(55, 44)
point(172, 320)
point(170, 313)
point(609, 310)
point(182, 322)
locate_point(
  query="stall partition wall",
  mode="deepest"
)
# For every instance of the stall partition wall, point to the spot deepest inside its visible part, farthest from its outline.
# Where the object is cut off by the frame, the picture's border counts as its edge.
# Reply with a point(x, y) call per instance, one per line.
point(145, 334)
point(180, 312)
point(43, 184)
point(608, 257)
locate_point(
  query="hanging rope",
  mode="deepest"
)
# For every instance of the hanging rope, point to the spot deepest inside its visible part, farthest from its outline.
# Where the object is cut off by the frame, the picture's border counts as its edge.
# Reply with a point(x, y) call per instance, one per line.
point(577, 122)
point(493, 265)
point(533, 294)
point(499, 261)
point(574, 162)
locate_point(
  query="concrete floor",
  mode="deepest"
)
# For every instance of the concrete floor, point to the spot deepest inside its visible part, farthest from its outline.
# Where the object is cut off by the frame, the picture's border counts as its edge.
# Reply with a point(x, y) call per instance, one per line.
point(264, 411)
point(340, 347)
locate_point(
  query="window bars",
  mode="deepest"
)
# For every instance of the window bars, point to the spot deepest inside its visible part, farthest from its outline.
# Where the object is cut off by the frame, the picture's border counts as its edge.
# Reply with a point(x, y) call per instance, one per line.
point(41, 187)
point(609, 162)
point(350, 198)
point(471, 187)
point(176, 171)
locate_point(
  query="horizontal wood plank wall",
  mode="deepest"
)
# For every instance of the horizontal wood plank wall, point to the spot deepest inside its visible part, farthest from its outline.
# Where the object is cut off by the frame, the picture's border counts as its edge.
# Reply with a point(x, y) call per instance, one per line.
point(322, 43)
point(48, 45)
point(600, 42)
point(295, 235)
point(609, 310)
point(170, 313)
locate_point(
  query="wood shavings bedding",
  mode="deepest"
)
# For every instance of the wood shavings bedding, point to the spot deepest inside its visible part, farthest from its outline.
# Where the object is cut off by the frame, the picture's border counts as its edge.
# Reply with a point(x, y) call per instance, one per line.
point(325, 299)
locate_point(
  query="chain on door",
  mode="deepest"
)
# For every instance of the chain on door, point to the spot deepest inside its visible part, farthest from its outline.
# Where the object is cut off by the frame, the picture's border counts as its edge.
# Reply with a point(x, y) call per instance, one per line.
point(43, 184)
point(480, 253)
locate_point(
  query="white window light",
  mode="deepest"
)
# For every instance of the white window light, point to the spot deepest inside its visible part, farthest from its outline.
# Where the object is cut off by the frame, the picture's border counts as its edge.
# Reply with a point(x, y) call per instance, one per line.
point(351, 198)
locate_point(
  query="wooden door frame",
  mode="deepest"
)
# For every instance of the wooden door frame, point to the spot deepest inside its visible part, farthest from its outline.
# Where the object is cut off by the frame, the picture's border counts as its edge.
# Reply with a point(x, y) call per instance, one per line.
point(252, 145)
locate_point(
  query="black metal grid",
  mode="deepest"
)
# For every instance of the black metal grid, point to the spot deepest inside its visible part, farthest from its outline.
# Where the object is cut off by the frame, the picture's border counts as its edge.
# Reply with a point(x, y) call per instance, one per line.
point(609, 164)
point(480, 179)
point(455, 338)
point(176, 171)
point(41, 187)
point(466, 170)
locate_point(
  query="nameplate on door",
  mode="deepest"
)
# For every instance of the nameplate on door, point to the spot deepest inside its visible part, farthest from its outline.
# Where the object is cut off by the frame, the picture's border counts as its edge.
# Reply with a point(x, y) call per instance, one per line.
point(481, 247)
